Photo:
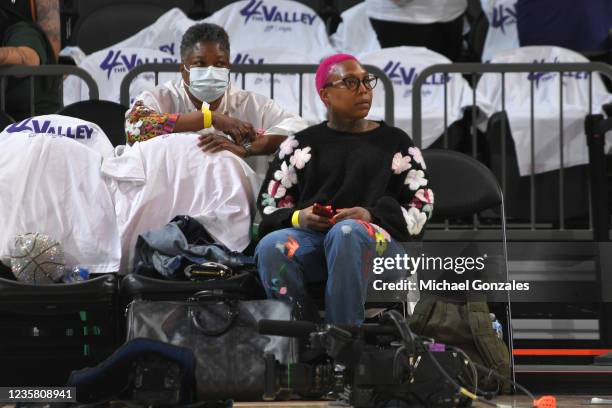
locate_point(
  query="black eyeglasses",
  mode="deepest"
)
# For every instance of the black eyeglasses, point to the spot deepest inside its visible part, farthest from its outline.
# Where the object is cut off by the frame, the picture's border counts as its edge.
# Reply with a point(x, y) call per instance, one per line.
point(352, 83)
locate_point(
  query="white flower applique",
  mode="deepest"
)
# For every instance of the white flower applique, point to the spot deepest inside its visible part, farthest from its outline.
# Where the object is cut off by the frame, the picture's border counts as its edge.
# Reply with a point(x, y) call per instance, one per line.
point(415, 179)
point(400, 163)
point(300, 157)
point(426, 195)
point(269, 209)
point(133, 128)
point(415, 220)
point(417, 156)
point(287, 147)
point(286, 175)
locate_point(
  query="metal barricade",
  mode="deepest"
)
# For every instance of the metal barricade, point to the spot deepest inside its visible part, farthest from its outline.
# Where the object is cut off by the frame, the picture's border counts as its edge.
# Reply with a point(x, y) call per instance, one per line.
point(271, 69)
point(43, 70)
point(598, 216)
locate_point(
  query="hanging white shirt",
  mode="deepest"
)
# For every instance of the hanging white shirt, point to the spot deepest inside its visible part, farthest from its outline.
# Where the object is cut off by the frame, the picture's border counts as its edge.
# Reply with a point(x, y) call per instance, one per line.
point(355, 34)
point(274, 23)
point(256, 109)
point(108, 67)
point(416, 11)
point(403, 65)
point(53, 185)
point(546, 107)
point(502, 34)
point(156, 180)
point(86, 133)
point(164, 35)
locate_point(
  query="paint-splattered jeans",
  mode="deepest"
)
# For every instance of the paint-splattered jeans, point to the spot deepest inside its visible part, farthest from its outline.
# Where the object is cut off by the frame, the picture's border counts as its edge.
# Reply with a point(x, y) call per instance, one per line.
point(287, 259)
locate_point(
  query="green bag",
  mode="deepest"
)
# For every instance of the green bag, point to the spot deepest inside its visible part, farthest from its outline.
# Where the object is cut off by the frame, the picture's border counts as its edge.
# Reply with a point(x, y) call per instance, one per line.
point(468, 327)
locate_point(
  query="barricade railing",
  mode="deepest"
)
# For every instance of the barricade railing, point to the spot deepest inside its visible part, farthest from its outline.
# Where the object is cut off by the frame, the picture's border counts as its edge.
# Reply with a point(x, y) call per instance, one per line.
point(271, 69)
point(43, 70)
point(598, 214)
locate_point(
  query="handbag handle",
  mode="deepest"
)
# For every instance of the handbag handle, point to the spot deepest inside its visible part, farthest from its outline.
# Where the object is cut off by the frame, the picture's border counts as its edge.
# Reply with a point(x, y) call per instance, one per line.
point(232, 306)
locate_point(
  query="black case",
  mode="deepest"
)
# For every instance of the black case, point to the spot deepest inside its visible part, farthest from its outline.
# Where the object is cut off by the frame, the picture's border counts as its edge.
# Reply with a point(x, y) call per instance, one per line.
point(46, 331)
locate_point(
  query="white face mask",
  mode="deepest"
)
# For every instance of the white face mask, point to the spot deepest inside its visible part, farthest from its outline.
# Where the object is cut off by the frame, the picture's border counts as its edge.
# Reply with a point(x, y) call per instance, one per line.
point(208, 84)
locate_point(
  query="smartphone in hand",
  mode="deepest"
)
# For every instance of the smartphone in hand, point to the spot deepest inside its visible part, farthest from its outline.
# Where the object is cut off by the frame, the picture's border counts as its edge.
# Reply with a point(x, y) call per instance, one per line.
point(323, 210)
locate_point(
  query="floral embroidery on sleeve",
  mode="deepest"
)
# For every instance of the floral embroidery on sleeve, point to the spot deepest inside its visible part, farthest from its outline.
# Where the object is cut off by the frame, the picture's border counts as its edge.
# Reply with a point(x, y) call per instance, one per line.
point(420, 200)
point(143, 123)
point(282, 177)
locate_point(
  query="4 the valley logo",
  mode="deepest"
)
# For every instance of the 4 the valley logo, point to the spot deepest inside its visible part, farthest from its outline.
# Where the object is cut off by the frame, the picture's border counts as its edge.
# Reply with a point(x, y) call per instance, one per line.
point(541, 77)
point(37, 126)
point(257, 10)
point(404, 76)
point(503, 16)
point(117, 61)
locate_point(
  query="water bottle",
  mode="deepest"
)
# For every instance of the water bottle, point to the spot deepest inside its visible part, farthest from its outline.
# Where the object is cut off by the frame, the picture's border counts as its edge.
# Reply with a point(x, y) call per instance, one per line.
point(499, 330)
point(76, 274)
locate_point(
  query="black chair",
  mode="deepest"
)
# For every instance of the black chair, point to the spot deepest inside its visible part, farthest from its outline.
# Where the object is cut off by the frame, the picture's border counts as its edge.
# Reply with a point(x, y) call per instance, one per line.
point(110, 116)
point(95, 25)
point(5, 120)
point(464, 186)
point(46, 331)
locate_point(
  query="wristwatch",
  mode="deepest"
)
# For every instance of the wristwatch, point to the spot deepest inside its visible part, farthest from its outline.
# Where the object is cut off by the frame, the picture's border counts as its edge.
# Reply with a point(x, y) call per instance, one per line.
point(247, 146)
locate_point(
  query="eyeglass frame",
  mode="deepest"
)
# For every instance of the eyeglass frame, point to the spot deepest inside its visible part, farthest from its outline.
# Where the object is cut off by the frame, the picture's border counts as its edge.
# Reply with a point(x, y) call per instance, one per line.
point(361, 82)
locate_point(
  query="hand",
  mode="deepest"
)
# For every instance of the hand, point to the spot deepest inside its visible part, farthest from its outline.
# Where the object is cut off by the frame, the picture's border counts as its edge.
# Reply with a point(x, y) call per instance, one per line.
point(238, 130)
point(354, 213)
point(212, 143)
point(307, 219)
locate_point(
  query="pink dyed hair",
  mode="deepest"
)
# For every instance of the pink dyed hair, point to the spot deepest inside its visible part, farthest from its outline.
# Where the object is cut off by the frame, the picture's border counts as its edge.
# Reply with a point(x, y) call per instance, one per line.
point(326, 65)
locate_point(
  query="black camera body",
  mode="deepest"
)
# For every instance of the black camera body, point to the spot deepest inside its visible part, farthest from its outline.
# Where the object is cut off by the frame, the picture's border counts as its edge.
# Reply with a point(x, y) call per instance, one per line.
point(371, 363)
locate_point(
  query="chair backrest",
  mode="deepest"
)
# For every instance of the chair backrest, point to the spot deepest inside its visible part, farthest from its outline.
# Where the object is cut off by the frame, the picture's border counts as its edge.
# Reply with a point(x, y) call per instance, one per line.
point(462, 185)
point(100, 24)
point(355, 34)
point(502, 34)
point(110, 116)
point(403, 65)
point(5, 120)
point(268, 23)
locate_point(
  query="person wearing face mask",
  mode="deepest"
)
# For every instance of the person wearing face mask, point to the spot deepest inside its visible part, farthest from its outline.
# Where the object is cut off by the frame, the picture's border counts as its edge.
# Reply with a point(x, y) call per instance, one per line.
point(372, 183)
point(203, 100)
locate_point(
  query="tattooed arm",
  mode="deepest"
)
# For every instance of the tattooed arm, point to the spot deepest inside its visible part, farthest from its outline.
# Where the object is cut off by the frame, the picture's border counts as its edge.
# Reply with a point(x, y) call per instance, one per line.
point(48, 18)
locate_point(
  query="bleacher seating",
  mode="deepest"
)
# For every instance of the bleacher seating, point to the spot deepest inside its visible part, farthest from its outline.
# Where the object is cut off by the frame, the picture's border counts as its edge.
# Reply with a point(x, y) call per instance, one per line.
point(403, 65)
point(576, 106)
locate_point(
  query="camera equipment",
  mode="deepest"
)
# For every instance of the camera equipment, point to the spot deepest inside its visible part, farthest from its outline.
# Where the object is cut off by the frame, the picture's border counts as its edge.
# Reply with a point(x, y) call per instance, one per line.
point(376, 365)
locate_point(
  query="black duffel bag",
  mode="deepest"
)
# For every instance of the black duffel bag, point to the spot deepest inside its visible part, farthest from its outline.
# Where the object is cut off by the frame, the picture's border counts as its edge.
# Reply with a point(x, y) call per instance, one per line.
point(221, 330)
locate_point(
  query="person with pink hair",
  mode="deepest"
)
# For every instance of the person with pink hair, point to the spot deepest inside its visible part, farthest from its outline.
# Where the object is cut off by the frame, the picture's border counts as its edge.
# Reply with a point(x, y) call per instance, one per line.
point(337, 196)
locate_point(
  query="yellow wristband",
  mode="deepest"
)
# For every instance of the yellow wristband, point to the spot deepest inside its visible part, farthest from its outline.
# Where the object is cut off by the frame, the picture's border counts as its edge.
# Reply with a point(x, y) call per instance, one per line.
point(207, 117)
point(295, 219)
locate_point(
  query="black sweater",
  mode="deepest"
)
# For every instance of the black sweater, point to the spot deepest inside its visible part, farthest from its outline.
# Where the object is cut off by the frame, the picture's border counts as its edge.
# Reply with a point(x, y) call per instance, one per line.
point(379, 170)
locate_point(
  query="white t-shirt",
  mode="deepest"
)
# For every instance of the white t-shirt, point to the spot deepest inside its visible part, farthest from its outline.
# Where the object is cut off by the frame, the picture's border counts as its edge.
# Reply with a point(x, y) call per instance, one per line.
point(86, 133)
point(416, 11)
point(355, 34)
point(502, 34)
point(108, 67)
point(163, 35)
point(154, 181)
point(286, 87)
point(546, 107)
point(274, 23)
point(256, 109)
point(403, 65)
point(51, 184)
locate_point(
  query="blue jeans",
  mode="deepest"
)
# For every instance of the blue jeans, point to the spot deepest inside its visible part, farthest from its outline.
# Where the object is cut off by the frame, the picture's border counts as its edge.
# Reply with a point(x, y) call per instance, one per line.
point(289, 258)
